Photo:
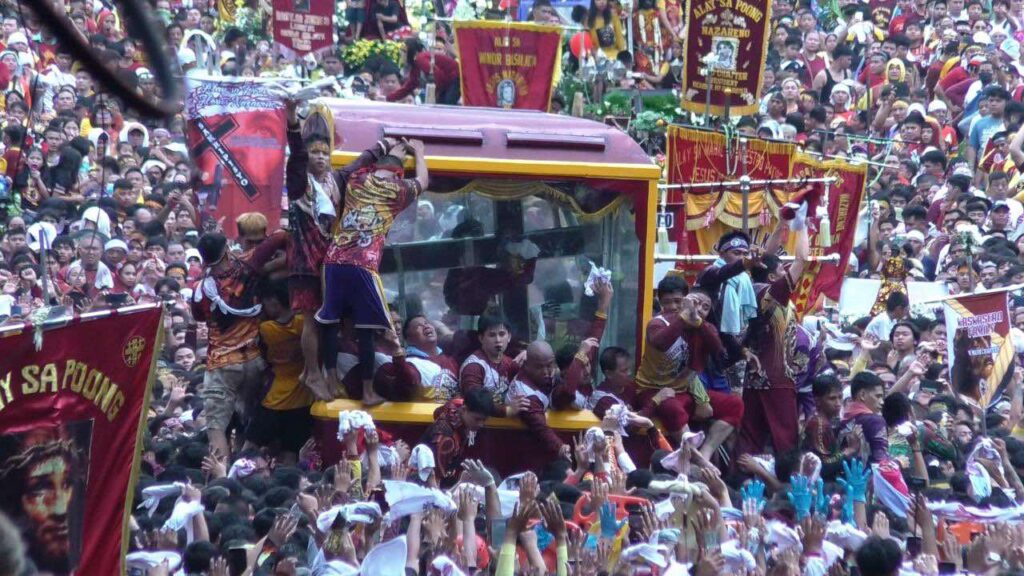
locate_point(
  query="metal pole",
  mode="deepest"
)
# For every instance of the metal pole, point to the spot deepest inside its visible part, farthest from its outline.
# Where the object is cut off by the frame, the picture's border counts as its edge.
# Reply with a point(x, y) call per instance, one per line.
point(734, 184)
point(712, 258)
point(744, 185)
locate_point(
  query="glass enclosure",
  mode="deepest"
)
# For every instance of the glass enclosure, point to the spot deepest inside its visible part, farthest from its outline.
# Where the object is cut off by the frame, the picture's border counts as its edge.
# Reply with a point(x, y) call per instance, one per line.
point(519, 248)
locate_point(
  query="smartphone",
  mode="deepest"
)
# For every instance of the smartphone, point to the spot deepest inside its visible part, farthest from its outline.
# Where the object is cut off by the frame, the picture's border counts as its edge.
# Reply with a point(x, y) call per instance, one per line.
point(947, 568)
point(913, 546)
point(238, 561)
point(116, 300)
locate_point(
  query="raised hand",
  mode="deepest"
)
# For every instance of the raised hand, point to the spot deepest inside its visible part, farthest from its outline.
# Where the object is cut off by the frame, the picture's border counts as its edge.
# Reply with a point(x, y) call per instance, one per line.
point(553, 519)
point(477, 473)
point(820, 499)
point(609, 525)
point(799, 495)
point(855, 480)
point(528, 488)
point(753, 491)
point(282, 528)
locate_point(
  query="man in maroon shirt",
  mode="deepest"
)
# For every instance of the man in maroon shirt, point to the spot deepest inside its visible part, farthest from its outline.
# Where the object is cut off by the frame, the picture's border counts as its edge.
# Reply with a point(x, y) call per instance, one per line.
point(769, 395)
point(441, 69)
point(488, 367)
point(422, 370)
point(537, 382)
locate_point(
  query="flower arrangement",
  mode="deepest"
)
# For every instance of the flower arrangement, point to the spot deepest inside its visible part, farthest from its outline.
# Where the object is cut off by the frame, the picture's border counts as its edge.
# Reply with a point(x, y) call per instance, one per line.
point(355, 55)
point(250, 21)
point(469, 9)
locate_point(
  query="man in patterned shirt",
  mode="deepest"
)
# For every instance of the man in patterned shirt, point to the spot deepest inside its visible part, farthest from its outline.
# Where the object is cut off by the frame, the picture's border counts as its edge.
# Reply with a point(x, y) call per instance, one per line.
point(375, 196)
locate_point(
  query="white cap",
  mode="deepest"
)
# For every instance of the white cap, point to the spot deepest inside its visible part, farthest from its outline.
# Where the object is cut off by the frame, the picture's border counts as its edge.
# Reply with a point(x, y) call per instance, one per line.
point(193, 253)
point(936, 105)
point(186, 56)
point(178, 147)
point(915, 235)
point(982, 37)
point(143, 72)
point(17, 38)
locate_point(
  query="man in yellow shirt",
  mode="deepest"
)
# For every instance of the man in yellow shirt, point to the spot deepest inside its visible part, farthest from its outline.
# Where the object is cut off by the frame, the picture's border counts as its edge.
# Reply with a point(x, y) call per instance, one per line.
point(282, 421)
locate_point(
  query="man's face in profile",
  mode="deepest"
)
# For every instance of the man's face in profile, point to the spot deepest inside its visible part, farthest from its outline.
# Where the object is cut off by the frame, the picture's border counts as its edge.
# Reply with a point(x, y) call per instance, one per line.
point(48, 493)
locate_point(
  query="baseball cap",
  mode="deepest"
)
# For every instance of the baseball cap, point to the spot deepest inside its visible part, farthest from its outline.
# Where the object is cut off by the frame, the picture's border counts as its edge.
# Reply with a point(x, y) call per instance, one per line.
point(1001, 205)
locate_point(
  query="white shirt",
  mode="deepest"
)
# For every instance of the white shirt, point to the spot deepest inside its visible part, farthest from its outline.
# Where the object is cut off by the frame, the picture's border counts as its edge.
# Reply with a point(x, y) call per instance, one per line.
point(880, 326)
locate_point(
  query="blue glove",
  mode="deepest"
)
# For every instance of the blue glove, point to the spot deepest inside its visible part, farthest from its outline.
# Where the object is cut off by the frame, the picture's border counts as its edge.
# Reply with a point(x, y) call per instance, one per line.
point(855, 480)
point(848, 512)
point(820, 500)
point(800, 495)
point(544, 537)
point(609, 526)
point(591, 543)
point(753, 490)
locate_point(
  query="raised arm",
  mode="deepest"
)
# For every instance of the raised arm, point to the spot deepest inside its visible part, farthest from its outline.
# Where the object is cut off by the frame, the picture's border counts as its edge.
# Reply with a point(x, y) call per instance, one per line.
point(298, 157)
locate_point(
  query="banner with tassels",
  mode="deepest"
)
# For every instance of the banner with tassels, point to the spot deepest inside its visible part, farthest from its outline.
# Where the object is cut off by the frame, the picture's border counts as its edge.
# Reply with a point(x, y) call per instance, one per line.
point(72, 417)
point(703, 215)
point(832, 224)
point(981, 349)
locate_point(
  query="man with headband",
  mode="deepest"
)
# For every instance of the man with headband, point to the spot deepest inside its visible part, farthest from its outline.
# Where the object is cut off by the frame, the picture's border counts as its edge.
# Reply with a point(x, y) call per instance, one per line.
point(376, 193)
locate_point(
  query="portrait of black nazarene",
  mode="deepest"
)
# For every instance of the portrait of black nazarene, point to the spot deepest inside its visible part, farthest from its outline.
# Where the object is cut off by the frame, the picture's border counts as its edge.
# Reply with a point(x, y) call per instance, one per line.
point(44, 472)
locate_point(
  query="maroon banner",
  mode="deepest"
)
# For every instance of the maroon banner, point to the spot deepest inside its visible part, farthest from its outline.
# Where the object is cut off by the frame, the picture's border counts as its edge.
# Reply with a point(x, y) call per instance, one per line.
point(71, 421)
point(881, 12)
point(303, 26)
point(982, 354)
point(844, 196)
point(731, 37)
point(237, 137)
point(508, 64)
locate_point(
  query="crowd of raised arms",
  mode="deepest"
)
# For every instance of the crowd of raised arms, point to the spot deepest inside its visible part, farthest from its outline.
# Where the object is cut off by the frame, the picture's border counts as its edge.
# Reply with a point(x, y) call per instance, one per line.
point(730, 439)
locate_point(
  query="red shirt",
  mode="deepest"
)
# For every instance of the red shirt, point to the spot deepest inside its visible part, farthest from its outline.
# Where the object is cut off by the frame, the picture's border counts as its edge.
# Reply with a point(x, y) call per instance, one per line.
point(445, 72)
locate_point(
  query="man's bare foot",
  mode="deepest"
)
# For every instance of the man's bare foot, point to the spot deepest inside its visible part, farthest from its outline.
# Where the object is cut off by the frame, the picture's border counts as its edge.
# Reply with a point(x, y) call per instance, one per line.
point(371, 398)
point(314, 381)
point(334, 386)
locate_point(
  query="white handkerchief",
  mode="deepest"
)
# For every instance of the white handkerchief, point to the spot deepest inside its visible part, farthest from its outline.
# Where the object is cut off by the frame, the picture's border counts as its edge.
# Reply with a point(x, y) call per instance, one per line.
point(182, 516)
point(650, 553)
point(597, 275)
point(242, 468)
point(737, 559)
point(359, 513)
point(445, 566)
point(349, 420)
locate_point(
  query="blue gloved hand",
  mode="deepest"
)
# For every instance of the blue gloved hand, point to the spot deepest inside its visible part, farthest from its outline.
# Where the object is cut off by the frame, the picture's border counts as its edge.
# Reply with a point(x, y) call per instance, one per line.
point(855, 480)
point(820, 500)
point(848, 512)
point(753, 490)
point(544, 537)
point(609, 526)
point(800, 495)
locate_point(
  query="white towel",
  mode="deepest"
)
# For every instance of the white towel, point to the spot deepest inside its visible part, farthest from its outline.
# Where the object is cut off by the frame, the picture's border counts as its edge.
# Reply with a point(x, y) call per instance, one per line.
point(386, 559)
point(507, 498)
point(145, 560)
point(405, 498)
point(358, 513)
point(844, 535)
point(339, 568)
point(782, 536)
point(182, 516)
point(446, 567)
point(242, 468)
point(154, 494)
point(422, 461)
point(349, 420)
point(736, 558)
point(649, 553)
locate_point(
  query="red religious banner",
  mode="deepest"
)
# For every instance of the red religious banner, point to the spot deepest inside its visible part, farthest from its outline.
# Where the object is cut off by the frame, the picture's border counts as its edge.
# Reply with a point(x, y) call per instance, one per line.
point(843, 204)
point(978, 338)
point(881, 12)
point(236, 136)
point(702, 215)
point(303, 26)
point(508, 64)
point(729, 39)
point(71, 420)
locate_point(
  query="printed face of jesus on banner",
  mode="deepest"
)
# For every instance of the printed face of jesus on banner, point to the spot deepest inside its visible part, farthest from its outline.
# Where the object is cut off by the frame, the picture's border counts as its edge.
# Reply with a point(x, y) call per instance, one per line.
point(45, 472)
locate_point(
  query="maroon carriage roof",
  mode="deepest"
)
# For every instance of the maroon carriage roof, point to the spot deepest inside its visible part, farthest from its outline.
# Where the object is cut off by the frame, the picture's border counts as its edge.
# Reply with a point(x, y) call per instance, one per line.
point(488, 134)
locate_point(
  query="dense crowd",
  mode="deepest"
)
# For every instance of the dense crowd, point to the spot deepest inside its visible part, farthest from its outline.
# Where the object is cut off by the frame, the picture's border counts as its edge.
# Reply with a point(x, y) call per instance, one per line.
point(737, 440)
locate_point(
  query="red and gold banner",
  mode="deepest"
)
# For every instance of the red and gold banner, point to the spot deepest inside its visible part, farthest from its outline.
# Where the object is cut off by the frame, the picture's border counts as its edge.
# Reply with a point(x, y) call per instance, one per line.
point(71, 421)
point(730, 36)
point(882, 12)
point(303, 26)
point(981, 355)
point(702, 215)
point(236, 137)
point(844, 198)
point(508, 64)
